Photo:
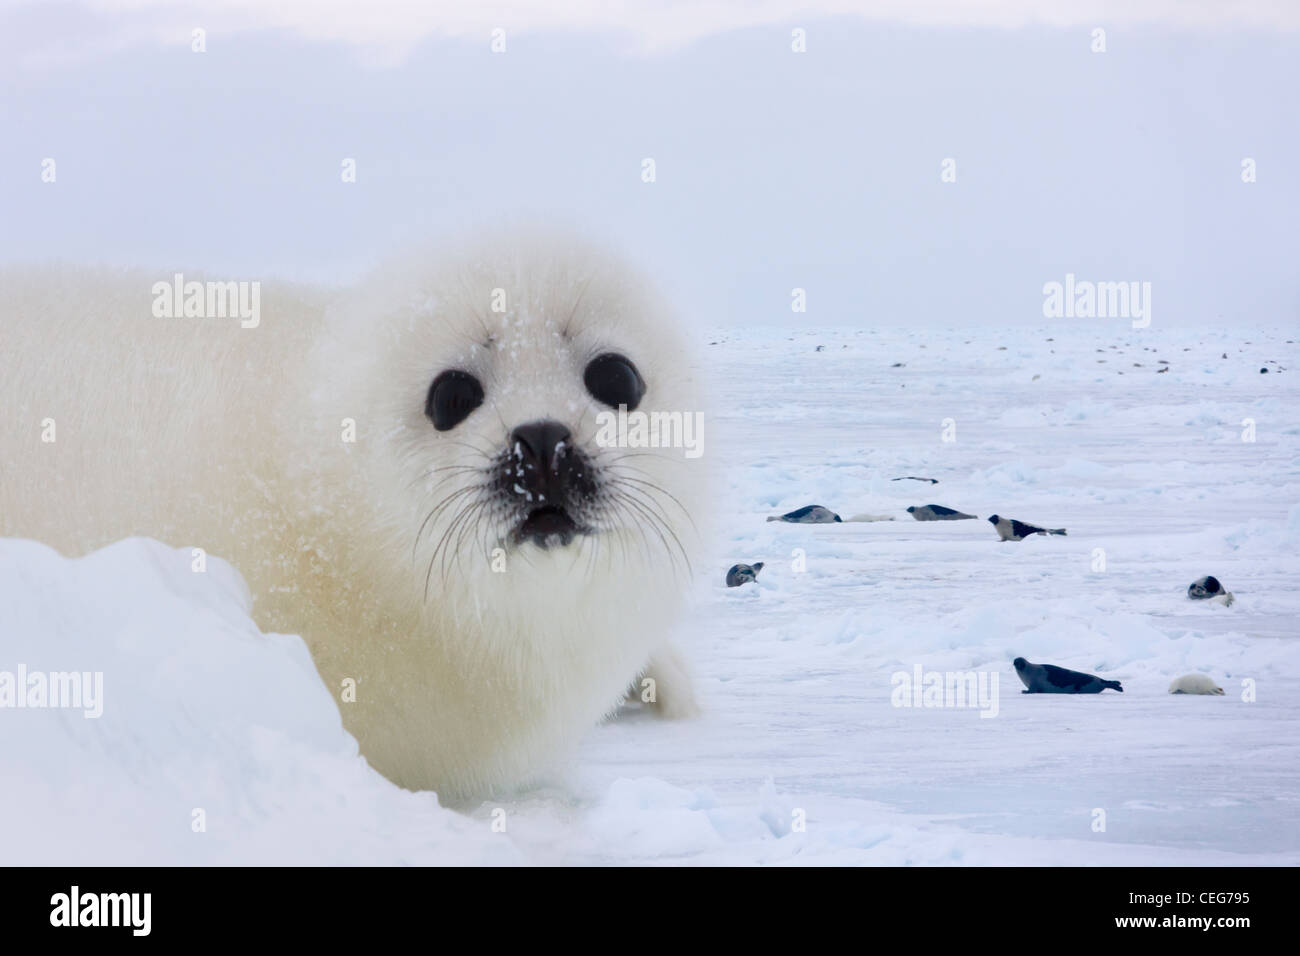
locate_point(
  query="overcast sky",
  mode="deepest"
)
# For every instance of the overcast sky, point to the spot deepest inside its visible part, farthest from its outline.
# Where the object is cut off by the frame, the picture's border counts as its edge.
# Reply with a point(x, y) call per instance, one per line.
point(774, 169)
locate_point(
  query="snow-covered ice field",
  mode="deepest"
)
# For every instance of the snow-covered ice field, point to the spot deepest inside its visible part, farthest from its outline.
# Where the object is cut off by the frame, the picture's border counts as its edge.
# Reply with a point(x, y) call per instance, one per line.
point(1068, 426)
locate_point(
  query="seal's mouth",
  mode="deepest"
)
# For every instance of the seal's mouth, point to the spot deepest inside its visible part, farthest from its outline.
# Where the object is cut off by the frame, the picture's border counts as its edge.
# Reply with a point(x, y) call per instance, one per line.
point(547, 526)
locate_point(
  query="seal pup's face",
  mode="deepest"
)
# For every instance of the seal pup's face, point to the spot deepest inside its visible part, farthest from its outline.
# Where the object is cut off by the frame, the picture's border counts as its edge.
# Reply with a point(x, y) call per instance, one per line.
point(542, 487)
point(493, 374)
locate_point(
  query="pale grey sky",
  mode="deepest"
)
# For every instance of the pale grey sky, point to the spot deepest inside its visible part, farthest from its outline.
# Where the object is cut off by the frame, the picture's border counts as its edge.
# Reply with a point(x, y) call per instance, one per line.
point(774, 170)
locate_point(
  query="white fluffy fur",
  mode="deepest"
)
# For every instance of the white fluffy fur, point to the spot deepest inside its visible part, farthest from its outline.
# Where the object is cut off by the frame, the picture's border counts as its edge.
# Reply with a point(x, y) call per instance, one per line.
point(202, 433)
point(1195, 684)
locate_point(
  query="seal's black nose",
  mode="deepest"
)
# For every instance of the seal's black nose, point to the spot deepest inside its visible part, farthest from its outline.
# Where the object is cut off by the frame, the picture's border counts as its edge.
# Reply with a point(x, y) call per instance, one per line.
point(540, 442)
point(541, 452)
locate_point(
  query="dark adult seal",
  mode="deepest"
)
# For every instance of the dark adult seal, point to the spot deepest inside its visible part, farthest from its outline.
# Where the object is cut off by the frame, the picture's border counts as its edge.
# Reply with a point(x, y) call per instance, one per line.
point(1009, 529)
point(937, 513)
point(743, 574)
point(1050, 679)
point(811, 514)
point(1209, 588)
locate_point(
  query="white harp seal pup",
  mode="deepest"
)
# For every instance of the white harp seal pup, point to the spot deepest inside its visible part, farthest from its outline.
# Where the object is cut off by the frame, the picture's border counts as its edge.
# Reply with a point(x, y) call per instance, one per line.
point(408, 475)
point(1195, 684)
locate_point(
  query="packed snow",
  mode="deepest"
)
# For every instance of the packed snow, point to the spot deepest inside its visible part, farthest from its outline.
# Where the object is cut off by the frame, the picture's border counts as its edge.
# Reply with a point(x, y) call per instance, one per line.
point(218, 744)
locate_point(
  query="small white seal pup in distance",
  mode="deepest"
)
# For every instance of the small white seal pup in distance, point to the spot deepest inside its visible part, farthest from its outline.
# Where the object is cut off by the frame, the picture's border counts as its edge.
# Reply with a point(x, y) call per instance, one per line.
point(406, 477)
point(1009, 529)
point(1195, 684)
point(1209, 588)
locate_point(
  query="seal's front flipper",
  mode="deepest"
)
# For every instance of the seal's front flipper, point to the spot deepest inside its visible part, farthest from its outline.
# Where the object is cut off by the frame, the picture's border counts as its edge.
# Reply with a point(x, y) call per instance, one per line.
point(670, 692)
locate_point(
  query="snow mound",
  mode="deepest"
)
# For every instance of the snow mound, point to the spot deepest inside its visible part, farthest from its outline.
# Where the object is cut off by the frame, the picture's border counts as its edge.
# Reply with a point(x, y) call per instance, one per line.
point(216, 744)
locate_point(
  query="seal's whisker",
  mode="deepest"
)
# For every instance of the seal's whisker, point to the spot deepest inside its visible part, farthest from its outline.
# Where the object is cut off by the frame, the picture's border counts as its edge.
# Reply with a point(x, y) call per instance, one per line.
point(415, 545)
point(487, 456)
point(658, 522)
point(441, 505)
point(649, 519)
point(622, 455)
point(655, 486)
point(471, 523)
point(647, 495)
point(444, 544)
point(442, 541)
point(629, 521)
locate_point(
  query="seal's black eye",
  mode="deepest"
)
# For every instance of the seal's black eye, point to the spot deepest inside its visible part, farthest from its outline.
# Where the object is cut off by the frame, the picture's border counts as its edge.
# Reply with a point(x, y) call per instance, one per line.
point(614, 380)
point(452, 396)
